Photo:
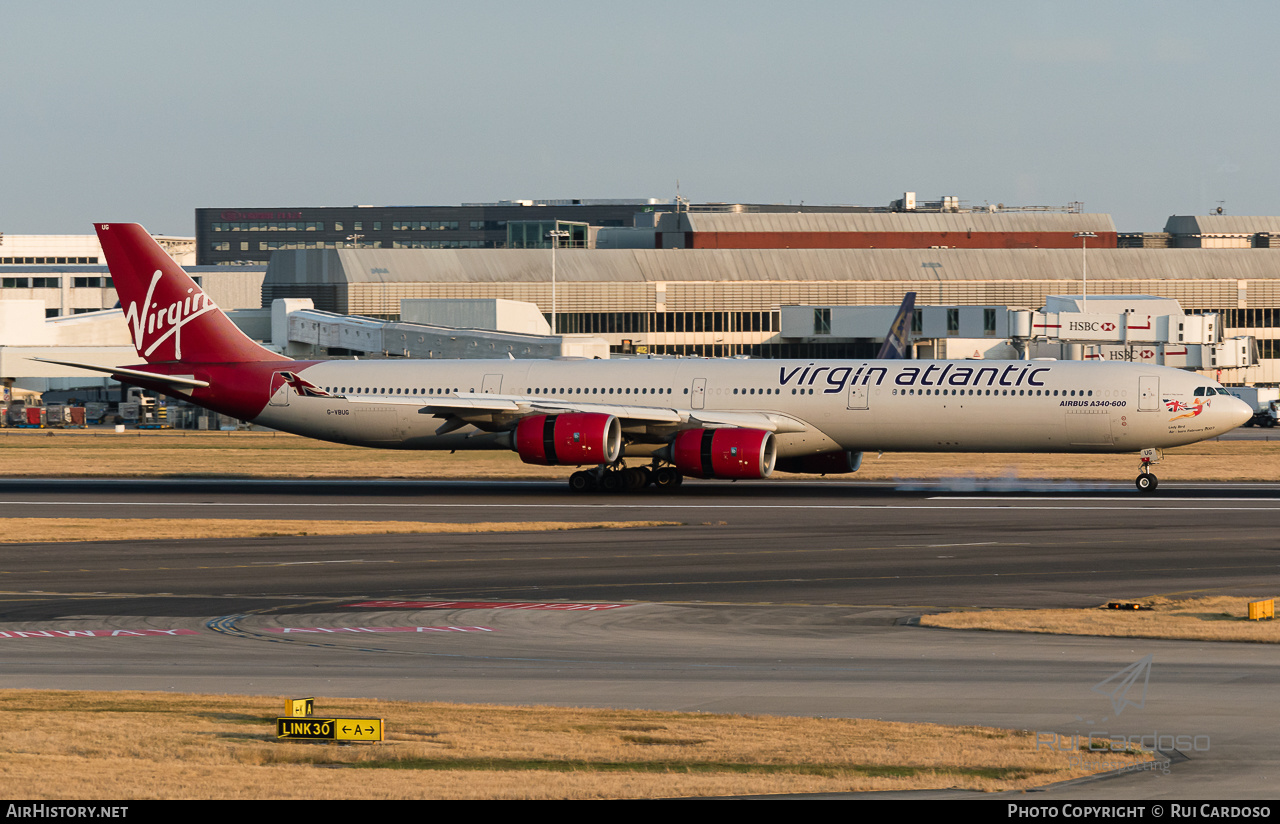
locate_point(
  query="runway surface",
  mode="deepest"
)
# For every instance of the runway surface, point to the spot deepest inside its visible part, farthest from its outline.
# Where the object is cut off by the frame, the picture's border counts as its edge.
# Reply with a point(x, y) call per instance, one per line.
point(789, 598)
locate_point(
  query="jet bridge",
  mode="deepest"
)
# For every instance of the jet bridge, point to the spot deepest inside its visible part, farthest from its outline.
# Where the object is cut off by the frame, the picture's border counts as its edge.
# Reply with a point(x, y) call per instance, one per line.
point(1136, 328)
point(304, 332)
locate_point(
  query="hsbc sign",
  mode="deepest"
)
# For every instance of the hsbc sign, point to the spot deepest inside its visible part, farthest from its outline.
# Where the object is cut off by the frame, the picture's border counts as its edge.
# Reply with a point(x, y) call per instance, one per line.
point(1086, 327)
point(1126, 353)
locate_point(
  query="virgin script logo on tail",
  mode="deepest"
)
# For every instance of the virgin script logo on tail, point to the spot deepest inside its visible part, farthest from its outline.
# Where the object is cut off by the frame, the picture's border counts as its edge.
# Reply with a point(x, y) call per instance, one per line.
point(164, 322)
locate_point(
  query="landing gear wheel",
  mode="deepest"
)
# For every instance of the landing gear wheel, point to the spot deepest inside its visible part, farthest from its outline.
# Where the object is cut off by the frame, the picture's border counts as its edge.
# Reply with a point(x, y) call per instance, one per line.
point(1147, 482)
point(582, 481)
point(666, 477)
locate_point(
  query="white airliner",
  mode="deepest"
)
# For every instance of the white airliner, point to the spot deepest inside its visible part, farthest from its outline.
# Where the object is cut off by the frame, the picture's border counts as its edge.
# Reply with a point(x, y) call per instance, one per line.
point(641, 422)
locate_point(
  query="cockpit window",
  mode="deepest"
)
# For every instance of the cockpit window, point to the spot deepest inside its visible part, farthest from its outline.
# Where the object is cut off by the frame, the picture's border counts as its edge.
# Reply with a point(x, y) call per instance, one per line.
point(1222, 391)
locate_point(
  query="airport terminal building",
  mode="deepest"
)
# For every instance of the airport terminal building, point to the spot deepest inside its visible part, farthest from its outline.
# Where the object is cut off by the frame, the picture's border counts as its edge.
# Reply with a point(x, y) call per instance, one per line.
point(240, 235)
point(726, 302)
point(711, 280)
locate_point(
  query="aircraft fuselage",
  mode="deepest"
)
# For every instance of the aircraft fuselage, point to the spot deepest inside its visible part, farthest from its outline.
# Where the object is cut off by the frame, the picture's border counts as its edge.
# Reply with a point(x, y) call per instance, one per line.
point(860, 405)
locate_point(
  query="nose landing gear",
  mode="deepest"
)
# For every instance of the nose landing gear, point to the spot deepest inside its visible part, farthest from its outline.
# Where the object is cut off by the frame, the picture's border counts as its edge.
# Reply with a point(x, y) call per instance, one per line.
point(1147, 480)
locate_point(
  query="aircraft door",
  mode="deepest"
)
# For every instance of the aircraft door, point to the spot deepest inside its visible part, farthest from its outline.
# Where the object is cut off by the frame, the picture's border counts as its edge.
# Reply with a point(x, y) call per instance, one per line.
point(492, 385)
point(1089, 427)
point(280, 390)
point(858, 396)
point(1149, 393)
point(699, 398)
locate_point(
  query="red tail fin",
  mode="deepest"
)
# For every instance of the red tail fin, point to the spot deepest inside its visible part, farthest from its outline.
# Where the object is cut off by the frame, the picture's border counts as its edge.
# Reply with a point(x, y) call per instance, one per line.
point(170, 318)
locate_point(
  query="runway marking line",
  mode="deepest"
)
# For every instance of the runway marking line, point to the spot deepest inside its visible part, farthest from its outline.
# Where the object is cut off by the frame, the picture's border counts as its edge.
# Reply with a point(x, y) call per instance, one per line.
point(484, 605)
point(969, 543)
point(1127, 498)
point(333, 630)
point(1025, 503)
point(306, 563)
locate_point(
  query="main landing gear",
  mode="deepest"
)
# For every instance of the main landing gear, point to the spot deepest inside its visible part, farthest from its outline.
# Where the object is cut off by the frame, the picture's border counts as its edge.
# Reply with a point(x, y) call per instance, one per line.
point(619, 478)
point(1147, 480)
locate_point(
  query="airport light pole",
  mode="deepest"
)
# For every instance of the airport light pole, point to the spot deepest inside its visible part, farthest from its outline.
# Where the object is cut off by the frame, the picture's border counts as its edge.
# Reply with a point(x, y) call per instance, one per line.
point(556, 235)
point(1084, 270)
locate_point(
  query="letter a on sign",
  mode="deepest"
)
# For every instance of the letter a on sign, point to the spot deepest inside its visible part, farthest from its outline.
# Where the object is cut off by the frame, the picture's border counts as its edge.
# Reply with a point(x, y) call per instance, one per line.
point(298, 707)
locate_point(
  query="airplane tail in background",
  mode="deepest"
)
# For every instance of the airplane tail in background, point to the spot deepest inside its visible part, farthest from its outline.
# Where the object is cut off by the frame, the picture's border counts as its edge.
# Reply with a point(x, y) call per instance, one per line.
point(170, 318)
point(899, 336)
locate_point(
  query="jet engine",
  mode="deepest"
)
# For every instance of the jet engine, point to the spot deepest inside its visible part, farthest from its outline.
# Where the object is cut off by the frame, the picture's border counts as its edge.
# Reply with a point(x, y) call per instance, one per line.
point(835, 462)
point(573, 438)
point(724, 453)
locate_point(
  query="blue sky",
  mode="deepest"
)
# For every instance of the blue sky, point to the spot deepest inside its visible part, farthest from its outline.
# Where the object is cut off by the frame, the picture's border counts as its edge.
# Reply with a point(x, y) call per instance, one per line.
point(144, 111)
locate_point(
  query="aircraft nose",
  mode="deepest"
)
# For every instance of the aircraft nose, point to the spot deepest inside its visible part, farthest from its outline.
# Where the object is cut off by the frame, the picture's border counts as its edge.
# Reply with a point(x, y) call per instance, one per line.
point(1237, 411)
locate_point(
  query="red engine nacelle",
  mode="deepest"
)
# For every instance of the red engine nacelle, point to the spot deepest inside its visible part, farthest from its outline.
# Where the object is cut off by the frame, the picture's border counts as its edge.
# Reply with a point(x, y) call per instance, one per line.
point(836, 462)
point(573, 438)
point(724, 453)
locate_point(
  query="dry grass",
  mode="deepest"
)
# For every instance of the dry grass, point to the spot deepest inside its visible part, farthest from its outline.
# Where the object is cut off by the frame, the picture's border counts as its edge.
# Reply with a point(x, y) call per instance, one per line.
point(1217, 461)
point(242, 454)
point(133, 745)
point(63, 530)
point(1218, 618)
point(268, 455)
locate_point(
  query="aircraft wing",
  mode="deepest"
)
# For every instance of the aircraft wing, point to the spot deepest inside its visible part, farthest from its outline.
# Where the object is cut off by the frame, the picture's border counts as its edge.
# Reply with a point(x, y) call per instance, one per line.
point(518, 405)
point(771, 421)
point(492, 412)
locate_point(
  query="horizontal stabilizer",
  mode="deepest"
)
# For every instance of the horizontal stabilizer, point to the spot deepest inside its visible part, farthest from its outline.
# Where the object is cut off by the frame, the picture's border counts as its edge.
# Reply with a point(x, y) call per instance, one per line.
point(138, 374)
